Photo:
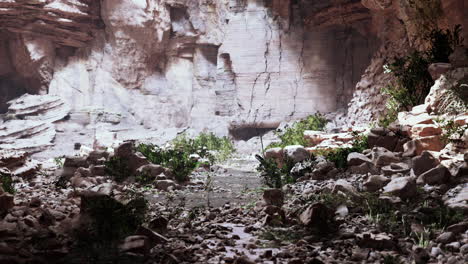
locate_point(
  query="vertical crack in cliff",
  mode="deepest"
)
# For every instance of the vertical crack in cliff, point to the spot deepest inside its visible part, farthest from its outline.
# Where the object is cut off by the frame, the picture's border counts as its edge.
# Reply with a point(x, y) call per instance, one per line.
point(301, 70)
point(267, 82)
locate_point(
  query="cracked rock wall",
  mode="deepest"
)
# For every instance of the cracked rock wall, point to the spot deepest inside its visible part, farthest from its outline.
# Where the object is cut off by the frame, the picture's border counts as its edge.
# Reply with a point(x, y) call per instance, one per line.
point(152, 68)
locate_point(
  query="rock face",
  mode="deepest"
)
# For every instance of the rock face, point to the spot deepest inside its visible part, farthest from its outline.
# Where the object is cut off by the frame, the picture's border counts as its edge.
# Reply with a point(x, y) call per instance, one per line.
point(135, 65)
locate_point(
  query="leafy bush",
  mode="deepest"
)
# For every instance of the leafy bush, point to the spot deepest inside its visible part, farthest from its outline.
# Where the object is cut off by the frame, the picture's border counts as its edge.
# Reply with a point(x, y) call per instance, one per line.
point(294, 135)
point(180, 162)
point(451, 131)
point(274, 176)
point(117, 168)
point(206, 145)
point(339, 156)
point(7, 182)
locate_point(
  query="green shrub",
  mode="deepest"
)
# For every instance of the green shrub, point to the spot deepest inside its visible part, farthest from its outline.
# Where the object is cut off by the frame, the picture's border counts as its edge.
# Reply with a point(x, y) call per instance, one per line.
point(206, 145)
point(178, 161)
point(451, 131)
point(7, 183)
point(339, 156)
point(294, 135)
point(117, 168)
point(274, 176)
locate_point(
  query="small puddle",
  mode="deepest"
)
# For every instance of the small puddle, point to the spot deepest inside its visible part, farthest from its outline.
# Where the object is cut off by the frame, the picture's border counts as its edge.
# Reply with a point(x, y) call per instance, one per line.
point(241, 245)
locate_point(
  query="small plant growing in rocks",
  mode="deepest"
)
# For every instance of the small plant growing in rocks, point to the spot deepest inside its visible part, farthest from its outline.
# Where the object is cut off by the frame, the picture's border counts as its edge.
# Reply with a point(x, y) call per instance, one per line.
point(339, 156)
point(273, 175)
point(117, 168)
point(206, 145)
point(7, 182)
point(180, 162)
point(294, 135)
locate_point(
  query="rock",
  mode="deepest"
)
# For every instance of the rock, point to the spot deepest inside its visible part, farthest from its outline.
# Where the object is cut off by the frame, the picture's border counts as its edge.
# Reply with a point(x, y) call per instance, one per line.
point(383, 157)
point(136, 244)
point(95, 157)
point(356, 159)
point(425, 130)
point(438, 175)
point(437, 69)
point(317, 216)
point(396, 168)
point(273, 197)
point(420, 256)
point(35, 202)
point(154, 237)
point(165, 185)
point(296, 153)
point(380, 137)
point(458, 228)
point(6, 202)
point(151, 170)
point(445, 238)
point(98, 170)
point(375, 183)
point(124, 150)
point(364, 168)
point(457, 197)
point(378, 242)
point(314, 137)
point(424, 163)
point(275, 154)
point(75, 162)
point(403, 187)
point(324, 170)
point(459, 57)
point(105, 188)
point(406, 119)
point(454, 246)
point(46, 218)
point(159, 224)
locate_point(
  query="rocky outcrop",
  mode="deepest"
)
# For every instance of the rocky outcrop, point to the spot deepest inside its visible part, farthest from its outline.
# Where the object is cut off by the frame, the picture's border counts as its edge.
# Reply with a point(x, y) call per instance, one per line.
point(64, 22)
point(29, 123)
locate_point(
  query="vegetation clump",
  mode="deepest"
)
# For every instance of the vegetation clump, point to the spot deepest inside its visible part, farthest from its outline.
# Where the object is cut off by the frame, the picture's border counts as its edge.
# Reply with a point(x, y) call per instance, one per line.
point(206, 145)
point(294, 135)
point(178, 161)
point(7, 182)
point(118, 168)
point(339, 156)
point(412, 78)
point(179, 156)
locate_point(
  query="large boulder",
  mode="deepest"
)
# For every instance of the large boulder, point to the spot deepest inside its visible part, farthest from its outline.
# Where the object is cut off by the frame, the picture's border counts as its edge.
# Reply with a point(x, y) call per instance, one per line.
point(437, 175)
point(375, 183)
point(383, 157)
point(403, 187)
point(356, 159)
point(417, 146)
point(317, 216)
point(296, 153)
point(424, 163)
point(273, 197)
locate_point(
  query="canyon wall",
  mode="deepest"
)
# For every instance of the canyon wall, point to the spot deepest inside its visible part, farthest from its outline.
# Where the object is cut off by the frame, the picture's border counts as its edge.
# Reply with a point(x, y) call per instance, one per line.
point(154, 68)
point(125, 65)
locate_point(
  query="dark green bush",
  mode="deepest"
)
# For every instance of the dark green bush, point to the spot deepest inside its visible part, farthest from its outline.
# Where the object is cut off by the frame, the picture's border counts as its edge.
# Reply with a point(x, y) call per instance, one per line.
point(117, 168)
point(7, 183)
point(206, 145)
point(178, 161)
point(294, 135)
point(274, 176)
point(339, 156)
